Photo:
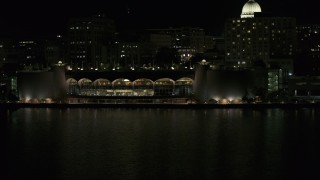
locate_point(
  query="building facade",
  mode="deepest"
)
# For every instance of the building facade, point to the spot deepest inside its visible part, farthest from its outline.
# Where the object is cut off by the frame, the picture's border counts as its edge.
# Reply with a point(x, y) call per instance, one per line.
point(258, 36)
point(229, 85)
point(87, 40)
point(308, 50)
point(305, 87)
point(28, 53)
point(187, 40)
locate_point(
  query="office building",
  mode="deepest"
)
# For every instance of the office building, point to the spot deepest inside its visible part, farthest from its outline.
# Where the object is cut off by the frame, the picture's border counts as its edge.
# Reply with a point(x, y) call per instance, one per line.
point(187, 40)
point(25, 53)
point(259, 36)
point(308, 50)
point(55, 50)
point(87, 41)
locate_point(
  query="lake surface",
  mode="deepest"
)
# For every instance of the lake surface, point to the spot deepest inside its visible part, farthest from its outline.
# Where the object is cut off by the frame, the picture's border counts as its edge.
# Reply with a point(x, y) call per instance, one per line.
point(123, 143)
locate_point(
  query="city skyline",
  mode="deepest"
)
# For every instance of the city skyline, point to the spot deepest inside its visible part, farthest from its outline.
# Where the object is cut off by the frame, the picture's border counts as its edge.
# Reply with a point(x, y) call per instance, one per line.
point(30, 19)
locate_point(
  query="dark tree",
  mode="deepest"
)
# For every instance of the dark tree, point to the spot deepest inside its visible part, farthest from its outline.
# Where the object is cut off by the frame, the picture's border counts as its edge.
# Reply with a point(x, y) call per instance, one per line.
point(166, 57)
point(198, 57)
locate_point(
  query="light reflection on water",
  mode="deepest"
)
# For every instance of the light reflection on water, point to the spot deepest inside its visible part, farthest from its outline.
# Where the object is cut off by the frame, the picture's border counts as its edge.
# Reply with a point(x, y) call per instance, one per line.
point(163, 144)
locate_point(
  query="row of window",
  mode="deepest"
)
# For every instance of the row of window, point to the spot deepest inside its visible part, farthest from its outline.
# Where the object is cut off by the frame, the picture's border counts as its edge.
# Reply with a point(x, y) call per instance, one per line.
point(87, 27)
point(124, 87)
point(127, 82)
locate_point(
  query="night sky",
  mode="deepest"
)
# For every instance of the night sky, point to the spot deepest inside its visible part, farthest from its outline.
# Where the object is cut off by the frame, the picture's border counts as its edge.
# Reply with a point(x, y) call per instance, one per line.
point(31, 19)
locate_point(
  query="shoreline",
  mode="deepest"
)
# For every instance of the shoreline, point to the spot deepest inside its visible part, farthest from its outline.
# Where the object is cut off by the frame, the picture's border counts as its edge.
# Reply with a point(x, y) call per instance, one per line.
point(173, 106)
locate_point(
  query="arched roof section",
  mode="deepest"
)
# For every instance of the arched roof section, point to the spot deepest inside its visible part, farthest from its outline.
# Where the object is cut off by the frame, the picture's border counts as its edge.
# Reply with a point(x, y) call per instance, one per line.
point(71, 81)
point(143, 82)
point(121, 82)
point(184, 81)
point(84, 81)
point(102, 82)
point(164, 81)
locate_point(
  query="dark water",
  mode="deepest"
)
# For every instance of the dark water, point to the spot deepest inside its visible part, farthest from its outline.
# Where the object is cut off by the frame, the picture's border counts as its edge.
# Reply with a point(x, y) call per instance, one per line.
point(162, 144)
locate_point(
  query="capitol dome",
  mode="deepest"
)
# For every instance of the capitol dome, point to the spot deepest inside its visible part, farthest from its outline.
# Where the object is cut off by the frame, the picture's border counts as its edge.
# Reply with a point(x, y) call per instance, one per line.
point(249, 9)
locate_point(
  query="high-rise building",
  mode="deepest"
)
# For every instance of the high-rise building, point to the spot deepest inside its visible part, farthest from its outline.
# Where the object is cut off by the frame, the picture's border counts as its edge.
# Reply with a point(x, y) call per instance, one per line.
point(87, 39)
point(308, 50)
point(27, 53)
point(120, 56)
point(54, 50)
point(187, 40)
point(258, 36)
point(129, 55)
point(215, 55)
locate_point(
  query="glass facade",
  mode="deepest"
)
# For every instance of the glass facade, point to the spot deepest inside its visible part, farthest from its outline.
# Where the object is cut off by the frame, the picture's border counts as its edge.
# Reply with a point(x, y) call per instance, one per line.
point(183, 87)
point(103, 87)
point(122, 87)
point(86, 87)
point(72, 87)
point(164, 87)
point(125, 87)
point(143, 87)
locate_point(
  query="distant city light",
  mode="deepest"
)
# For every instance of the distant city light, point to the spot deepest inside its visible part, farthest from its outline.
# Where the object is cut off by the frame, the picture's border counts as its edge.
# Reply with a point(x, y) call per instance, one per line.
point(230, 98)
point(27, 98)
point(69, 68)
point(223, 101)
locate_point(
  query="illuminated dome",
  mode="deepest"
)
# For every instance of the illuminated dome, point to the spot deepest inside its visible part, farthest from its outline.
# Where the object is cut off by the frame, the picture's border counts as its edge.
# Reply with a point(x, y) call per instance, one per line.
point(249, 9)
